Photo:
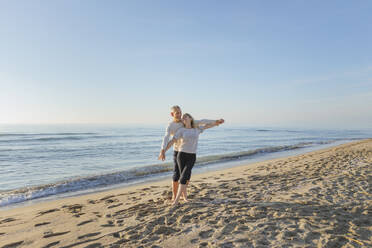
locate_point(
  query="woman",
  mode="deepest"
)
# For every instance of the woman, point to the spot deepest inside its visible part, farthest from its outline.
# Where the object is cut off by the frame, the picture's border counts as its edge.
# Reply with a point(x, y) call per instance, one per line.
point(186, 157)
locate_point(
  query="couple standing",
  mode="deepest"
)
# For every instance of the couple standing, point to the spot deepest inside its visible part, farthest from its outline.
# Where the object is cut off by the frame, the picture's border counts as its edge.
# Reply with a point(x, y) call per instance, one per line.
point(185, 131)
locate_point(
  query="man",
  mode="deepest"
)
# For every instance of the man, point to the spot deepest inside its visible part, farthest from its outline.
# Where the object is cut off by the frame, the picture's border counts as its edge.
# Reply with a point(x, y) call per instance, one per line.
point(172, 128)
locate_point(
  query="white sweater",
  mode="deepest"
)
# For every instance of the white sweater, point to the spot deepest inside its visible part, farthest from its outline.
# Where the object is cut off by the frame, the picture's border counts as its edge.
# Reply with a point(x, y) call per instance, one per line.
point(172, 129)
point(189, 139)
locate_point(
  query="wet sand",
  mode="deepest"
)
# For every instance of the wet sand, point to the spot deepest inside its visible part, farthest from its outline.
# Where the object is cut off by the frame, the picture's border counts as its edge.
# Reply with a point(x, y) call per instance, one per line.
point(317, 199)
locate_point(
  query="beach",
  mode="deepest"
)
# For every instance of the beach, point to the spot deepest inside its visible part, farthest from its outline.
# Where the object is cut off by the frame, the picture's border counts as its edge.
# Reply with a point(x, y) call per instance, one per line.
point(317, 199)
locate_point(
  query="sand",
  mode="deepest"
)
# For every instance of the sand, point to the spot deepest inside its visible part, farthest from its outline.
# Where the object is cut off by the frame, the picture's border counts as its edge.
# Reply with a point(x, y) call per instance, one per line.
point(317, 199)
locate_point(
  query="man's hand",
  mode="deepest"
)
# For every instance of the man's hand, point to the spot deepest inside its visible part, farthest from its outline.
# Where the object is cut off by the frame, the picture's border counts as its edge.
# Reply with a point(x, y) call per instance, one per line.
point(161, 155)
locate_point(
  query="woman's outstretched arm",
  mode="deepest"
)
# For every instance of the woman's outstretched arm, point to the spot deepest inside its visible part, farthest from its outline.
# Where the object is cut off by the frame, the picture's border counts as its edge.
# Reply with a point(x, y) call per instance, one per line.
point(210, 125)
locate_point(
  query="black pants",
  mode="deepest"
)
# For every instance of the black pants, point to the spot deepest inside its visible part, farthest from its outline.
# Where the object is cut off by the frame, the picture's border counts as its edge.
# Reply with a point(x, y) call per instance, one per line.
point(176, 170)
point(185, 163)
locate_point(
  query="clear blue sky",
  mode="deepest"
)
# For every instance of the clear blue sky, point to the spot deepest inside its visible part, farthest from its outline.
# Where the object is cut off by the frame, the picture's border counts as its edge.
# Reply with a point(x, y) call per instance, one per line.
point(256, 63)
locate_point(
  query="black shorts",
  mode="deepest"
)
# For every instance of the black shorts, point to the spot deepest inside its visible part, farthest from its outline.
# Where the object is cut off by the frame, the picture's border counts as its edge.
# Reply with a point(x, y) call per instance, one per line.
point(185, 163)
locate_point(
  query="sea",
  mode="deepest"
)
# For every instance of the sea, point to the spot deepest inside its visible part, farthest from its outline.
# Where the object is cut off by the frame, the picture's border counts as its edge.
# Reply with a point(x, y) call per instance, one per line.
point(42, 162)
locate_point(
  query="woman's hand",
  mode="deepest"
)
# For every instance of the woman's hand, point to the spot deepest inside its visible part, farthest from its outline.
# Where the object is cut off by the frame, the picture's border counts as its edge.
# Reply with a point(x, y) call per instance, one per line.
point(220, 121)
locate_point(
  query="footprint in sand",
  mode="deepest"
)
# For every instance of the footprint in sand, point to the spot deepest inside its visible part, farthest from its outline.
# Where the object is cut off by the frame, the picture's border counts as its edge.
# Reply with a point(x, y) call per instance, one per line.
point(106, 197)
point(88, 235)
point(7, 220)
point(84, 222)
point(205, 244)
point(51, 234)
point(42, 224)
point(194, 241)
point(75, 208)
point(13, 245)
point(78, 215)
point(116, 205)
point(206, 234)
point(51, 244)
point(92, 201)
point(228, 229)
point(312, 237)
point(116, 235)
point(108, 201)
point(245, 241)
point(166, 230)
point(94, 245)
point(48, 211)
point(109, 224)
point(120, 222)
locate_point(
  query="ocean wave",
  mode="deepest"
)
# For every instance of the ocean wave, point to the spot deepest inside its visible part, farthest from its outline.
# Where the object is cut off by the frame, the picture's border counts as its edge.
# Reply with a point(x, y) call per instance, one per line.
point(41, 139)
point(250, 153)
point(77, 184)
point(42, 134)
point(278, 130)
point(49, 139)
point(89, 182)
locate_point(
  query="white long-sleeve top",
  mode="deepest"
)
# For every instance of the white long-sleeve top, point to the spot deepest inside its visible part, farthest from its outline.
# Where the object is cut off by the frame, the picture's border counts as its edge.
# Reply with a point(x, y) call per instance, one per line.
point(172, 129)
point(189, 139)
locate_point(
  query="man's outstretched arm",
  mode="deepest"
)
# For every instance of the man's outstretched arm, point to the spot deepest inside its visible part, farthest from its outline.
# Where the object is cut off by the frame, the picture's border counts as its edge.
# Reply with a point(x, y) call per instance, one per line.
point(164, 144)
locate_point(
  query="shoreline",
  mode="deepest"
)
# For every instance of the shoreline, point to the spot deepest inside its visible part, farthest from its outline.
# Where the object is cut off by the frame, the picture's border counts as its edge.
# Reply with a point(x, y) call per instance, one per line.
point(163, 175)
point(161, 180)
point(316, 198)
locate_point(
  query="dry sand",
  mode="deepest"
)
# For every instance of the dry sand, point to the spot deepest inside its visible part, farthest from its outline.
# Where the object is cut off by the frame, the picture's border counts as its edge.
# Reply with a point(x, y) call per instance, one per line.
point(318, 199)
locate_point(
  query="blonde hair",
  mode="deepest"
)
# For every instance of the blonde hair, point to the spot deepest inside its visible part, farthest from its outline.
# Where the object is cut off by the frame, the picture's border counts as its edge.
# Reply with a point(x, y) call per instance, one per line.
point(192, 119)
point(173, 108)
